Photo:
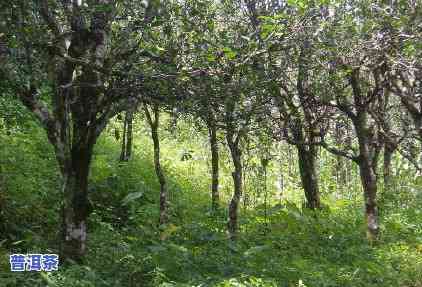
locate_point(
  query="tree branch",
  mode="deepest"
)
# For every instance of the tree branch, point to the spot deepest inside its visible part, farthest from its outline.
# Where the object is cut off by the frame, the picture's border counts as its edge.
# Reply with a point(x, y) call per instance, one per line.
point(339, 152)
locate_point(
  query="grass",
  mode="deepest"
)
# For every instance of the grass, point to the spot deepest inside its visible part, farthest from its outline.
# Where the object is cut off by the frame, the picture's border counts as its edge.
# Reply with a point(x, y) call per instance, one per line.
point(294, 247)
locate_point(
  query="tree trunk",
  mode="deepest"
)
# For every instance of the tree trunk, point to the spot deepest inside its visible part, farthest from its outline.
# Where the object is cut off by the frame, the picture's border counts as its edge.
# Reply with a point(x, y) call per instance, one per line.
point(215, 196)
point(129, 115)
point(308, 175)
point(161, 178)
point(369, 145)
point(127, 136)
point(123, 150)
point(369, 183)
point(76, 207)
point(307, 156)
point(264, 165)
point(154, 124)
point(367, 167)
point(388, 157)
point(79, 107)
point(237, 180)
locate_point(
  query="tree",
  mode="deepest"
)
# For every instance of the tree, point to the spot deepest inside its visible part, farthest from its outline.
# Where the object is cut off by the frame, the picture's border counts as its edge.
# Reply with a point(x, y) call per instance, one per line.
point(359, 103)
point(294, 84)
point(70, 79)
point(233, 137)
point(153, 117)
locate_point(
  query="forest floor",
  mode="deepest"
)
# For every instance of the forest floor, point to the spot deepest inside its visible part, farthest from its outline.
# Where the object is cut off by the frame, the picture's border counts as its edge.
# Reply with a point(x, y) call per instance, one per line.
point(288, 246)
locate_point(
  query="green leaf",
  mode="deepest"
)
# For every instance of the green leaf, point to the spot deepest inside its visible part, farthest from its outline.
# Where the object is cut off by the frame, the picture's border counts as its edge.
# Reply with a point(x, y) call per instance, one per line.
point(210, 58)
point(131, 197)
point(229, 53)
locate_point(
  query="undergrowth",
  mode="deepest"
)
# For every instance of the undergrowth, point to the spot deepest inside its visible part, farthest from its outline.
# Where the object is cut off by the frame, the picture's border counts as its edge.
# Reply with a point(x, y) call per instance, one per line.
point(283, 245)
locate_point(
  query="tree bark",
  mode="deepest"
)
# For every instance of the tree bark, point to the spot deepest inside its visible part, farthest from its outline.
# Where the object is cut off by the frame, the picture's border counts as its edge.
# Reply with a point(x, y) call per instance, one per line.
point(307, 156)
point(127, 139)
point(154, 124)
point(76, 206)
point(368, 152)
point(367, 162)
point(369, 183)
point(308, 175)
point(304, 129)
point(161, 178)
point(236, 154)
point(212, 132)
point(387, 161)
